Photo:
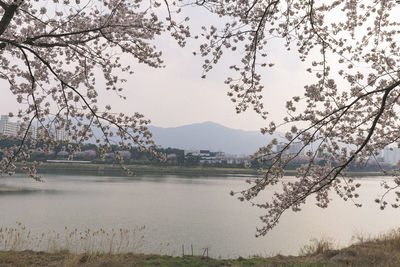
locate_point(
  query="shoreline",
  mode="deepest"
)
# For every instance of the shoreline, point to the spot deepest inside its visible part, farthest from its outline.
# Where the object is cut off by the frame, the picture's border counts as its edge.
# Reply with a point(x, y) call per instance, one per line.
point(115, 170)
point(381, 251)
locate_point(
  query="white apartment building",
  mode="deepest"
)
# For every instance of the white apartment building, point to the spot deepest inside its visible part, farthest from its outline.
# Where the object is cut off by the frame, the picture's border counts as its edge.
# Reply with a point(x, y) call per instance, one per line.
point(7, 127)
point(62, 135)
point(56, 134)
point(391, 155)
point(11, 128)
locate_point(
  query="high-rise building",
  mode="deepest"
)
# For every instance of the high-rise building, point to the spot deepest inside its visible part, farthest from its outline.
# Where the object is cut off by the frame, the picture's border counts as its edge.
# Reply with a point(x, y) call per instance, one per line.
point(7, 127)
point(391, 155)
point(62, 135)
point(11, 128)
point(55, 134)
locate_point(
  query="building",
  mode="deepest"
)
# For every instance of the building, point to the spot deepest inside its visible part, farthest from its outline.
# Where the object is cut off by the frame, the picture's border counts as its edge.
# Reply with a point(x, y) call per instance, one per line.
point(56, 134)
point(62, 135)
point(9, 128)
point(207, 156)
point(391, 155)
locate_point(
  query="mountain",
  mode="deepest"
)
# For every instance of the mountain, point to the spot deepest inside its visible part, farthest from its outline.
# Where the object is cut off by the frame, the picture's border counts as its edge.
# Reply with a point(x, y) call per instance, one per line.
point(210, 136)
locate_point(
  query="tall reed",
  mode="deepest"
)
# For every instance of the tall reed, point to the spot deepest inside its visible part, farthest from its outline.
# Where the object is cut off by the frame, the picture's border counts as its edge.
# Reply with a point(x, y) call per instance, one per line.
point(73, 240)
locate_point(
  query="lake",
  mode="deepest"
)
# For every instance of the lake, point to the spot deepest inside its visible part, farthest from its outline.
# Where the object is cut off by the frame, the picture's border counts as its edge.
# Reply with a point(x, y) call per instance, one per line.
point(186, 211)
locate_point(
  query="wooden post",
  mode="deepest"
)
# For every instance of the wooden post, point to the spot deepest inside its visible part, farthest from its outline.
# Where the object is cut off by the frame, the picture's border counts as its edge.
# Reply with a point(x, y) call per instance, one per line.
point(183, 251)
point(191, 247)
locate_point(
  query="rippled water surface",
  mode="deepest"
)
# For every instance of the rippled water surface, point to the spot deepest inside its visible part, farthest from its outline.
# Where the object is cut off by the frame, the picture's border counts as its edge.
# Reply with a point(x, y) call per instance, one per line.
point(185, 211)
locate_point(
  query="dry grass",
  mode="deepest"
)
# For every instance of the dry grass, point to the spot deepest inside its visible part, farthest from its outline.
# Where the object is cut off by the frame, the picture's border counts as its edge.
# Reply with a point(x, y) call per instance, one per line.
point(382, 250)
point(102, 248)
point(316, 246)
point(29, 258)
point(89, 241)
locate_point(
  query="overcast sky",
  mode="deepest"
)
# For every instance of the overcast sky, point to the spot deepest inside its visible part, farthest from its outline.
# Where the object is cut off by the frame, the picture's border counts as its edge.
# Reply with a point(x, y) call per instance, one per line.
point(176, 95)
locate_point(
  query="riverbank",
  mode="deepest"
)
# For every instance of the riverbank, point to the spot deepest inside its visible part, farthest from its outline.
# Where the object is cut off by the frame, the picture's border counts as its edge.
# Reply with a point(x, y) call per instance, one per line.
point(383, 251)
point(30, 258)
point(115, 170)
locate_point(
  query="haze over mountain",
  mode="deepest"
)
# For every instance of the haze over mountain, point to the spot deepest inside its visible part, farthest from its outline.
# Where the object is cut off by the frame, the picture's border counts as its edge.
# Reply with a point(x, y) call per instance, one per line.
point(211, 136)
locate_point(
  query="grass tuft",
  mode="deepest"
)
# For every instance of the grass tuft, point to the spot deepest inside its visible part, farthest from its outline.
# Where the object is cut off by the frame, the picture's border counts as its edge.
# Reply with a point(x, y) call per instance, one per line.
point(316, 246)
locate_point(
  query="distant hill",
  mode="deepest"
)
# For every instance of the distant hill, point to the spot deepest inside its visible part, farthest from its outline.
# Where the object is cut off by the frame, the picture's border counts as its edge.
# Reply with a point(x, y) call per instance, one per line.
point(211, 136)
point(207, 135)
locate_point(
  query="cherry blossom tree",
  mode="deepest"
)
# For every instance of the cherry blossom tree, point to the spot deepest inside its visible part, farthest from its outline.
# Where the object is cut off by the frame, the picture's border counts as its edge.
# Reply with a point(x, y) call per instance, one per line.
point(50, 53)
point(347, 115)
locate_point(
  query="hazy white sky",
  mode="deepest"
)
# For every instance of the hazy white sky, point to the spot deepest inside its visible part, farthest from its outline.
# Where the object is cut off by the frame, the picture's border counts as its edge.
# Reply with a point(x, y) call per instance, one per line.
point(176, 95)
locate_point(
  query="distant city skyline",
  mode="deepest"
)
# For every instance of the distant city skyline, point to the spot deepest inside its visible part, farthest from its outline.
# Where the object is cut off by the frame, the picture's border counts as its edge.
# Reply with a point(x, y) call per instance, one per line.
point(11, 127)
point(389, 155)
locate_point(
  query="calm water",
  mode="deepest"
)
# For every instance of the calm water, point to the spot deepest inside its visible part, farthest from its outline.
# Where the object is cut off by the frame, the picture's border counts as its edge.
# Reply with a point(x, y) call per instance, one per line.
point(184, 211)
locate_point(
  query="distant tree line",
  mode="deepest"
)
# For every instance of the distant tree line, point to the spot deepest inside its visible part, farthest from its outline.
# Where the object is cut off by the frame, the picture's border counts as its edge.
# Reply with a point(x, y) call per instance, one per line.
point(174, 157)
point(90, 152)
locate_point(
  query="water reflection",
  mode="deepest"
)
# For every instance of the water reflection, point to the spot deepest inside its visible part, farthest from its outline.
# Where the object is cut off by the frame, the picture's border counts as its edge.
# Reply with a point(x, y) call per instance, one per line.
point(7, 190)
point(182, 210)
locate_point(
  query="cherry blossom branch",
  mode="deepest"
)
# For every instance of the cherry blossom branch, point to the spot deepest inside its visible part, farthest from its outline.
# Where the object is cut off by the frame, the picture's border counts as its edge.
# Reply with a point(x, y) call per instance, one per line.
point(93, 112)
point(7, 16)
point(3, 5)
point(317, 186)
